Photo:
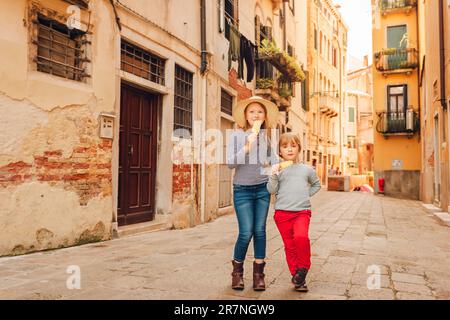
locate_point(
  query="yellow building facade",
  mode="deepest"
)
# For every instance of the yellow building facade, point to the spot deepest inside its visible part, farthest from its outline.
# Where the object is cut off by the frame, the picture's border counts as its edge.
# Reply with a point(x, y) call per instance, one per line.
point(397, 147)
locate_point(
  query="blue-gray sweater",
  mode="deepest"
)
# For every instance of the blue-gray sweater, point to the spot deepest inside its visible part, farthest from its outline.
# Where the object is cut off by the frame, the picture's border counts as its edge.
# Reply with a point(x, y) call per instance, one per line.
point(293, 187)
point(252, 168)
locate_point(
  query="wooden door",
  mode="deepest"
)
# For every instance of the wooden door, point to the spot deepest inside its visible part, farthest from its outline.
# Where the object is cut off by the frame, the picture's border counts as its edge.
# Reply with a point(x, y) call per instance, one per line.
point(137, 155)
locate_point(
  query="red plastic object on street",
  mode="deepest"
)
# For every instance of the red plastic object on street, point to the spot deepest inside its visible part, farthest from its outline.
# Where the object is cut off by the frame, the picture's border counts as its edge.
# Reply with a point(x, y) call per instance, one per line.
point(381, 185)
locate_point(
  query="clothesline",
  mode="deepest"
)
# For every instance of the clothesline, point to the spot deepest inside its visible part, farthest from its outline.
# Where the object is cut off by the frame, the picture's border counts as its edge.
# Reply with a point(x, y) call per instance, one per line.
point(242, 16)
point(241, 50)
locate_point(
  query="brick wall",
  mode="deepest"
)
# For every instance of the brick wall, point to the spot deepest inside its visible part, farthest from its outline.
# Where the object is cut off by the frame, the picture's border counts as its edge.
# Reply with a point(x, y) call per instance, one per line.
point(242, 91)
point(87, 171)
point(181, 180)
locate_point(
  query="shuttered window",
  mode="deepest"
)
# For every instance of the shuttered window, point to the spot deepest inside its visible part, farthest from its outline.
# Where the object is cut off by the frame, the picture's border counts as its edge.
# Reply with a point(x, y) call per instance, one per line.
point(226, 103)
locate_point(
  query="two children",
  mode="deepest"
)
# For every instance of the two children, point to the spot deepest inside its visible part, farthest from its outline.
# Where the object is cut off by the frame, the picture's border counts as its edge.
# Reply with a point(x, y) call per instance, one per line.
point(293, 184)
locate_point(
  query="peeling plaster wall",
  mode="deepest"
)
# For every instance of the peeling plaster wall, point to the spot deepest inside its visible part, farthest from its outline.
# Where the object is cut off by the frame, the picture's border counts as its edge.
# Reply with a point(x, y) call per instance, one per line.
point(55, 171)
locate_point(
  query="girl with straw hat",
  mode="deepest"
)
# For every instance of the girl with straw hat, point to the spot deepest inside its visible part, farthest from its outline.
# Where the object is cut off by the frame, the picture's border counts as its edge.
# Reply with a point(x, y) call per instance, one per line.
point(248, 152)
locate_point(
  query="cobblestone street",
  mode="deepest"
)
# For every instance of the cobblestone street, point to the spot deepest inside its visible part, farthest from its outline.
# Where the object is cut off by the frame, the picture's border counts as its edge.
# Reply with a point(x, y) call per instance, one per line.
point(349, 232)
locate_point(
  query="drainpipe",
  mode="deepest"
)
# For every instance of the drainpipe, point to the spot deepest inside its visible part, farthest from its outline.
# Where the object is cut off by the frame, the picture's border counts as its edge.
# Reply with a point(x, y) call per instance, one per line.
point(284, 26)
point(419, 70)
point(341, 96)
point(203, 72)
point(442, 53)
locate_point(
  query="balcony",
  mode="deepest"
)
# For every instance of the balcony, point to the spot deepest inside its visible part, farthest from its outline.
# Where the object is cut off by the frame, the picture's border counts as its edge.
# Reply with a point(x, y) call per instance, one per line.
point(395, 60)
point(398, 123)
point(80, 3)
point(329, 105)
point(396, 6)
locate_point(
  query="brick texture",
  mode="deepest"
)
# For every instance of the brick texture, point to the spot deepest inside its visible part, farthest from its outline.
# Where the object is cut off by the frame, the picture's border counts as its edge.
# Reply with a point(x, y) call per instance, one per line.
point(242, 91)
point(87, 171)
point(181, 180)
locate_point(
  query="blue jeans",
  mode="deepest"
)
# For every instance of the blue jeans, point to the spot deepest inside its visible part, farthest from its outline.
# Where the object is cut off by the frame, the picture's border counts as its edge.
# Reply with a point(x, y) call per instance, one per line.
point(252, 205)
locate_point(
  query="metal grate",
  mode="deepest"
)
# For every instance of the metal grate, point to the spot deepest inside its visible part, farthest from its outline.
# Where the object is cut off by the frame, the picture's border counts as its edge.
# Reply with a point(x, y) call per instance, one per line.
point(142, 63)
point(183, 99)
point(60, 51)
point(226, 103)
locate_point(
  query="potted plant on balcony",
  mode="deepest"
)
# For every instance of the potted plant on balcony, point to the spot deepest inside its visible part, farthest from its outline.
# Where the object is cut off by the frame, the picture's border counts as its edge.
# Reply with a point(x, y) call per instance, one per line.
point(265, 83)
point(288, 66)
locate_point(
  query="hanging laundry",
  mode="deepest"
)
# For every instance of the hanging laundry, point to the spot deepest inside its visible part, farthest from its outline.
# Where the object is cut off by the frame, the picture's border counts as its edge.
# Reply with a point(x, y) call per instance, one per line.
point(235, 46)
point(247, 54)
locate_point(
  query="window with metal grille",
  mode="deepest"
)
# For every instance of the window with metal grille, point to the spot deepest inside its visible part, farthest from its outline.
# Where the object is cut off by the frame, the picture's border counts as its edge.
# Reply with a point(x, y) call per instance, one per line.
point(142, 63)
point(308, 156)
point(183, 99)
point(60, 51)
point(226, 103)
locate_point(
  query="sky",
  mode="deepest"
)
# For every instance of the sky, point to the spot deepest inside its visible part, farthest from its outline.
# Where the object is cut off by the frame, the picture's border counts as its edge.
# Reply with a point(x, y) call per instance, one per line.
point(358, 17)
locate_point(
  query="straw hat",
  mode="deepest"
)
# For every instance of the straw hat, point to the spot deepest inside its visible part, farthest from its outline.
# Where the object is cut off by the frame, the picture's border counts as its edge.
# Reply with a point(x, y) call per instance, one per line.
point(271, 108)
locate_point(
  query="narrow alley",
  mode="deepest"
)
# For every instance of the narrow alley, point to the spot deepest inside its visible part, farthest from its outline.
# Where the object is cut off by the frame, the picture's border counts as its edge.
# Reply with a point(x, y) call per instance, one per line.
point(350, 232)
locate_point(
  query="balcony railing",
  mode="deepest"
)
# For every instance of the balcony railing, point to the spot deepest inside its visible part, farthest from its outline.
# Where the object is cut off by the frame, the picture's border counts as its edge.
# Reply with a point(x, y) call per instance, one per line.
point(396, 60)
point(390, 6)
point(398, 123)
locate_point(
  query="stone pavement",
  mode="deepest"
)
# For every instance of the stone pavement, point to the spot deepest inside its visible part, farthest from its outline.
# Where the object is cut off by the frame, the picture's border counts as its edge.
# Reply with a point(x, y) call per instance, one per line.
point(349, 232)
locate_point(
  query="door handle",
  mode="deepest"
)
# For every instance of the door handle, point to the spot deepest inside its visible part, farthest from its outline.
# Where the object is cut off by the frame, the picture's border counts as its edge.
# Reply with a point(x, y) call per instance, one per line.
point(130, 150)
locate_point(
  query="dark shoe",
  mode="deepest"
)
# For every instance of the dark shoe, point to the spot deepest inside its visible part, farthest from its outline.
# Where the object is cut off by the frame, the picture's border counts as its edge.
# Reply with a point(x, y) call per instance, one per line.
point(237, 280)
point(258, 276)
point(299, 280)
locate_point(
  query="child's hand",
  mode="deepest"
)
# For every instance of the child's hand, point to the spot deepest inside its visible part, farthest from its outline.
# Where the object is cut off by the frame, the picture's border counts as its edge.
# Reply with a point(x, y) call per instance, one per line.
point(251, 138)
point(275, 169)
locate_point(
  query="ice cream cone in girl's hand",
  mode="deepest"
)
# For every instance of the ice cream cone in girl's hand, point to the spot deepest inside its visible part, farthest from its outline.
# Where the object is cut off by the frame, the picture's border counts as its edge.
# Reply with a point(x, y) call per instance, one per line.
point(257, 126)
point(285, 164)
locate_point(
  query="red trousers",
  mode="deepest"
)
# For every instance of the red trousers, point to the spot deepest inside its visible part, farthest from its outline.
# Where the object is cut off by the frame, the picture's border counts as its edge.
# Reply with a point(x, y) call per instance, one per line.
point(294, 227)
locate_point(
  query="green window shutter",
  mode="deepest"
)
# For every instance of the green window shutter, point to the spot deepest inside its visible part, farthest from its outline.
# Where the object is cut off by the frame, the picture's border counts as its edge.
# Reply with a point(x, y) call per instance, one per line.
point(351, 114)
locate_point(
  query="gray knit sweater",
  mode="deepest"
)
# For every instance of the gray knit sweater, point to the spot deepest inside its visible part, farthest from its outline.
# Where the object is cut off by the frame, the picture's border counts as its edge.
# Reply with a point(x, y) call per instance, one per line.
point(293, 187)
point(252, 168)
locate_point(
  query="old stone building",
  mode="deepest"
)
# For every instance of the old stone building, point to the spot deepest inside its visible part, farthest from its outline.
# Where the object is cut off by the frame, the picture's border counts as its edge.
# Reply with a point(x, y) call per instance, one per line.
point(327, 52)
point(434, 44)
point(101, 99)
point(359, 119)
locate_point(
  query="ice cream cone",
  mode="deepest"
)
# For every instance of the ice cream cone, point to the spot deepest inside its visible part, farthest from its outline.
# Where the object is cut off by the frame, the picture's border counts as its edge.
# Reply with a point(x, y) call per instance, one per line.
point(285, 164)
point(257, 126)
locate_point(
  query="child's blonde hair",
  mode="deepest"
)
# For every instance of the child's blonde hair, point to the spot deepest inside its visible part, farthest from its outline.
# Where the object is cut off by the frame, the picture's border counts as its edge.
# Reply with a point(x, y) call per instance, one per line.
point(290, 138)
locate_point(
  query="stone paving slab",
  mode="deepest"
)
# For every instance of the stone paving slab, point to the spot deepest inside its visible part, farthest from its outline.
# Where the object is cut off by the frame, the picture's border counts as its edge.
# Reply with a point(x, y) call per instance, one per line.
point(351, 234)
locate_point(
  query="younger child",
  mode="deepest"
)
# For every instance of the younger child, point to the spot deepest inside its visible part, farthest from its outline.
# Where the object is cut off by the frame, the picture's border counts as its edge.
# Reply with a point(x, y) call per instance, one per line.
point(293, 184)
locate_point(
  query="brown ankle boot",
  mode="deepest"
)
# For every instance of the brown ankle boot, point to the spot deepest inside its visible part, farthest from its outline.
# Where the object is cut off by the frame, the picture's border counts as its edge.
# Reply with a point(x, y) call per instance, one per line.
point(258, 276)
point(237, 280)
